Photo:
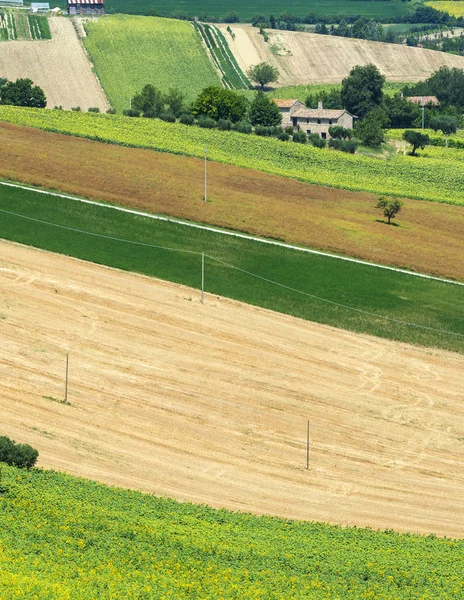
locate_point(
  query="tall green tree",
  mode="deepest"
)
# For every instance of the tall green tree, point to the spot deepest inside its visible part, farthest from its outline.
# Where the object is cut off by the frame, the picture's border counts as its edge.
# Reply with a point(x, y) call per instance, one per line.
point(264, 111)
point(263, 73)
point(149, 100)
point(217, 103)
point(22, 92)
point(370, 129)
point(174, 100)
point(362, 90)
point(390, 207)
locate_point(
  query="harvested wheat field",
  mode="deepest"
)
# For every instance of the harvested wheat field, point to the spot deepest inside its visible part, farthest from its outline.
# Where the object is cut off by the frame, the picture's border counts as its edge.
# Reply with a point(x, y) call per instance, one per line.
point(429, 239)
point(59, 66)
point(304, 58)
point(209, 403)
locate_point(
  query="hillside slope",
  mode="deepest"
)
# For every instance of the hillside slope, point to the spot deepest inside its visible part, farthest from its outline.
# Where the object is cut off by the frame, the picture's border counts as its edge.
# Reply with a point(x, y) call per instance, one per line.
point(209, 403)
point(304, 58)
point(59, 66)
point(129, 52)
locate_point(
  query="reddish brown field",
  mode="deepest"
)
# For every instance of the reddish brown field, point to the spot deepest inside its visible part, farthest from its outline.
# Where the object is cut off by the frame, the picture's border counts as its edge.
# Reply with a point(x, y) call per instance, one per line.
point(428, 239)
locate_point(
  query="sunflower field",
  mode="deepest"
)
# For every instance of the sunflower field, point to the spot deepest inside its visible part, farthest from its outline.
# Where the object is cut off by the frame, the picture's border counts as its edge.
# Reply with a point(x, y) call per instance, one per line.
point(67, 538)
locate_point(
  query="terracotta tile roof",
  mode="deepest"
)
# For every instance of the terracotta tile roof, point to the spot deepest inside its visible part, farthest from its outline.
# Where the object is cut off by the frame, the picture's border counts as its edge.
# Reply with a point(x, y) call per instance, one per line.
point(425, 99)
point(284, 103)
point(318, 113)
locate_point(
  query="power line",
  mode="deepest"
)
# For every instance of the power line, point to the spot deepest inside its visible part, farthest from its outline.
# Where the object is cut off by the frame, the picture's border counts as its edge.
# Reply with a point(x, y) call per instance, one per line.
point(271, 281)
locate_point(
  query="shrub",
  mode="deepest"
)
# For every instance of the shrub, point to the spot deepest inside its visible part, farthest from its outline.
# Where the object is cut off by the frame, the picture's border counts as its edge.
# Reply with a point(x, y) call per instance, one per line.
point(289, 130)
point(76, 108)
point(131, 112)
point(206, 122)
point(111, 111)
point(17, 455)
point(243, 127)
point(348, 146)
point(149, 114)
point(187, 119)
point(167, 116)
point(283, 136)
point(335, 143)
point(316, 140)
point(300, 137)
point(224, 124)
point(93, 109)
point(264, 131)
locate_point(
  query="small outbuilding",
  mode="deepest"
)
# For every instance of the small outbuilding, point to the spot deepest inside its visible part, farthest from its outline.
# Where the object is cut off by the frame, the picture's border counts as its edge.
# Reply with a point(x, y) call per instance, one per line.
point(86, 7)
point(39, 7)
point(11, 2)
point(424, 100)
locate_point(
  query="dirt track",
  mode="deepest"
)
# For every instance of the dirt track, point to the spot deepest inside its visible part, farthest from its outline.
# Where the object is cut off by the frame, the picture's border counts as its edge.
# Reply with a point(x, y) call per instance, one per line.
point(208, 403)
point(304, 58)
point(59, 66)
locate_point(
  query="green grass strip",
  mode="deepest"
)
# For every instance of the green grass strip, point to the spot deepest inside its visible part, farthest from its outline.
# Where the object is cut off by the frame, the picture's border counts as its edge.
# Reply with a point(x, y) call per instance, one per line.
point(311, 287)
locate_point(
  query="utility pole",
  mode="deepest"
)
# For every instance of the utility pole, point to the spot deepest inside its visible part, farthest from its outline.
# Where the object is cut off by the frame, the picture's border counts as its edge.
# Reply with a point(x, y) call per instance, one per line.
point(66, 387)
point(423, 109)
point(204, 198)
point(202, 277)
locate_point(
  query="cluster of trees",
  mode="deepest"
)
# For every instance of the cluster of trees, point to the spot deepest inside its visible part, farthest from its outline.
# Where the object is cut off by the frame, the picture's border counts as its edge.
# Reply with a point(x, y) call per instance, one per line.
point(446, 84)
point(17, 455)
point(363, 29)
point(22, 92)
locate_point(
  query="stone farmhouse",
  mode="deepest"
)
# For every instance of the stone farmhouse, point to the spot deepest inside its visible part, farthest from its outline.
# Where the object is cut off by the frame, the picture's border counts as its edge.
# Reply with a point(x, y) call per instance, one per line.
point(86, 7)
point(312, 120)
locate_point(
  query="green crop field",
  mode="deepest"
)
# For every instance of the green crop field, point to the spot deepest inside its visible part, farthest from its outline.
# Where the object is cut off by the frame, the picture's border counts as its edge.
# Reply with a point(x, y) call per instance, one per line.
point(437, 175)
point(16, 25)
point(368, 8)
point(235, 268)
point(128, 52)
point(66, 538)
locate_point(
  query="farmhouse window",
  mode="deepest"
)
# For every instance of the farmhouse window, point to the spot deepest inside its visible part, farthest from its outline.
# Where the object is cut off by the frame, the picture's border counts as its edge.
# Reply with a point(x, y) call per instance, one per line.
point(318, 121)
point(323, 135)
point(330, 121)
point(307, 120)
point(308, 131)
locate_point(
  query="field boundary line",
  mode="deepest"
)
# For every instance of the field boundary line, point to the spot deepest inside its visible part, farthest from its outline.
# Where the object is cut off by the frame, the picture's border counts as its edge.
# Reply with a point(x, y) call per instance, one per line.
point(227, 232)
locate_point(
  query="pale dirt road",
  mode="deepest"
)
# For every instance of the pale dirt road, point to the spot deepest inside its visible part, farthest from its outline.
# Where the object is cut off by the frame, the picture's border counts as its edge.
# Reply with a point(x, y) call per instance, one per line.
point(304, 58)
point(208, 403)
point(59, 66)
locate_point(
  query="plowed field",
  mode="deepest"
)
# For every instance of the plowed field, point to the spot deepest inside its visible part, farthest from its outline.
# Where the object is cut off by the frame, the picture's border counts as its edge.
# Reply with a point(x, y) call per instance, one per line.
point(59, 66)
point(303, 58)
point(209, 403)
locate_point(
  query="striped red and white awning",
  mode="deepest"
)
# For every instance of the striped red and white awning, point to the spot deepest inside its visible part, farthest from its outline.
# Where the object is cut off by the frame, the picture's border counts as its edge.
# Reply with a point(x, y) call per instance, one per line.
point(86, 2)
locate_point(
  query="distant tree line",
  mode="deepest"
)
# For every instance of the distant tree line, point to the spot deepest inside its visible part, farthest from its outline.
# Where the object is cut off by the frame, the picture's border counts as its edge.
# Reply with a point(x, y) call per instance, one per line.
point(22, 92)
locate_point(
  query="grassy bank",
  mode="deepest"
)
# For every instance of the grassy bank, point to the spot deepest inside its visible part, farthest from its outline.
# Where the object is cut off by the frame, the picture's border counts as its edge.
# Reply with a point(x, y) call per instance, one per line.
point(328, 286)
point(435, 177)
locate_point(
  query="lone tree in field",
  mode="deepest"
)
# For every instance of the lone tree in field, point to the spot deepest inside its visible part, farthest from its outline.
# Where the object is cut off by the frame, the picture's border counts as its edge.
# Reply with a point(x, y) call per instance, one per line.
point(390, 207)
point(263, 74)
point(417, 139)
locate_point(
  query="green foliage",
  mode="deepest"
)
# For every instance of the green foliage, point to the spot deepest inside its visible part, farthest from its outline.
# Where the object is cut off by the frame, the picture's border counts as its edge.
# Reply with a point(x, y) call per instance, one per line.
point(439, 178)
point(300, 137)
point(336, 131)
point(448, 125)
point(22, 456)
point(362, 90)
point(22, 92)
point(378, 291)
point(390, 207)
point(217, 103)
point(174, 101)
point(416, 139)
point(206, 122)
point(39, 27)
point(263, 111)
point(401, 113)
point(370, 130)
point(316, 140)
point(130, 52)
point(93, 541)
point(187, 119)
point(243, 127)
point(263, 73)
